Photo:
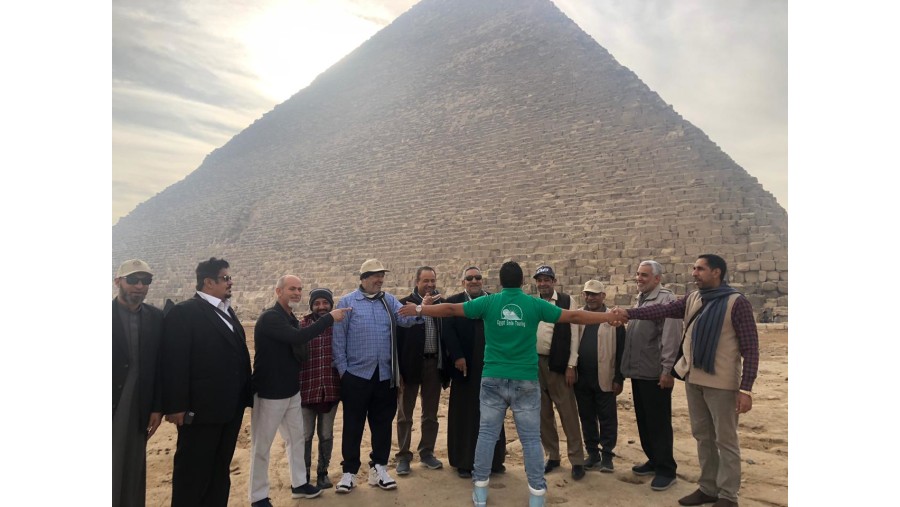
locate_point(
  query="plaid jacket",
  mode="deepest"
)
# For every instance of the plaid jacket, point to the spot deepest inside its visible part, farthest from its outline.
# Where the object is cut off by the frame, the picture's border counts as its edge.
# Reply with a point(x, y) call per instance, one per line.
point(319, 380)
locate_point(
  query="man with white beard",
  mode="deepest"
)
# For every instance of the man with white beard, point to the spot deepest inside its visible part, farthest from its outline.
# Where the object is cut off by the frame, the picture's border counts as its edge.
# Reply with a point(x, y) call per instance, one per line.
point(276, 390)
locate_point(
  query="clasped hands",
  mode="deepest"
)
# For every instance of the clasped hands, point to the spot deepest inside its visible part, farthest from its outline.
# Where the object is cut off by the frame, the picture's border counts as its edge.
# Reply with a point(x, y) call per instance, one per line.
point(621, 317)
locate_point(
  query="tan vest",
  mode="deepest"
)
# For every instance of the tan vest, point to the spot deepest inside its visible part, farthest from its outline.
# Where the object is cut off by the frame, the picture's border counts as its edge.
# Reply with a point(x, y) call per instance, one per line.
point(606, 354)
point(728, 352)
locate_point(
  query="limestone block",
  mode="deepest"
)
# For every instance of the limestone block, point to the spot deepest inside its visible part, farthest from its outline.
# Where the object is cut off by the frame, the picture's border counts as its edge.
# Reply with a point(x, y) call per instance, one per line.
point(751, 276)
point(772, 276)
point(769, 286)
point(742, 266)
point(761, 276)
point(783, 286)
point(767, 265)
point(781, 265)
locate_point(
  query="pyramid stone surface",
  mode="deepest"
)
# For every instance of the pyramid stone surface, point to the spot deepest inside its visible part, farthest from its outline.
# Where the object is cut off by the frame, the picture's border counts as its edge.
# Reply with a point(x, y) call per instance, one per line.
point(465, 132)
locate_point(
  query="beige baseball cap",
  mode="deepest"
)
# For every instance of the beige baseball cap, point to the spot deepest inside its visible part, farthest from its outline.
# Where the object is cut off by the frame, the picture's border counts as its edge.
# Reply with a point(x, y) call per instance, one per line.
point(133, 266)
point(595, 286)
point(372, 266)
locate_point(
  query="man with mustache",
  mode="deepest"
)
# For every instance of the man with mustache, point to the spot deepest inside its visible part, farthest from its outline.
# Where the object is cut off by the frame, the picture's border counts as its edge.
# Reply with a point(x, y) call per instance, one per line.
point(137, 391)
point(719, 365)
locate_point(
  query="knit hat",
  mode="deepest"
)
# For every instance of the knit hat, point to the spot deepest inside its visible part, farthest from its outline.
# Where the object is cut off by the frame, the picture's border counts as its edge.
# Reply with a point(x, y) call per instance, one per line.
point(321, 292)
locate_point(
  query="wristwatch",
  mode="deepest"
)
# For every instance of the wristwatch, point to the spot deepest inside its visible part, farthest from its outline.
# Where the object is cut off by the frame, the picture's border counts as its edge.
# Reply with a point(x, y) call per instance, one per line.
point(418, 310)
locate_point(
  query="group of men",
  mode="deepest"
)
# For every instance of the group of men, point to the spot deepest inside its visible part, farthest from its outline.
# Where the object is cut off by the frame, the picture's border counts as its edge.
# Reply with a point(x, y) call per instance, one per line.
point(377, 355)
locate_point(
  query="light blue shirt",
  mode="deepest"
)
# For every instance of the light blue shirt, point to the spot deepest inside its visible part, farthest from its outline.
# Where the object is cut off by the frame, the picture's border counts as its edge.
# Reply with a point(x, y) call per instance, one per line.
point(362, 341)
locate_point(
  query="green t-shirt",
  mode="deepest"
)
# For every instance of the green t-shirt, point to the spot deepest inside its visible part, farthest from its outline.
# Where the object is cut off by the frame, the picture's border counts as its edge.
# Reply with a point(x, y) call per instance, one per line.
point(511, 320)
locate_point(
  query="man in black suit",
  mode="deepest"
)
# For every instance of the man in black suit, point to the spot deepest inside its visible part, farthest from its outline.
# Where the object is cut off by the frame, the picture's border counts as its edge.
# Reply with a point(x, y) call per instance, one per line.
point(276, 388)
point(206, 386)
point(136, 388)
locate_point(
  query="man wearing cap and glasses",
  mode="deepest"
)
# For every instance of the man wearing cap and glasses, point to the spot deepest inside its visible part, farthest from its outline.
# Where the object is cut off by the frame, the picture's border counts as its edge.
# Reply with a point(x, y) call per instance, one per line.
point(206, 387)
point(599, 381)
point(137, 393)
point(365, 354)
point(557, 347)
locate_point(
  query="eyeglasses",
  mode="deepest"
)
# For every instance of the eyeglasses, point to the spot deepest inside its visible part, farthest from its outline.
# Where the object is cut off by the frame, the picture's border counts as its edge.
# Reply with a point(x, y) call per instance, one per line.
point(473, 277)
point(226, 278)
point(134, 279)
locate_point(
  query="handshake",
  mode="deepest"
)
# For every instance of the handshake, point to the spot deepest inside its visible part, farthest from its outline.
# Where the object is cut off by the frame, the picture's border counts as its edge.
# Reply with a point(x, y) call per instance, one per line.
point(621, 316)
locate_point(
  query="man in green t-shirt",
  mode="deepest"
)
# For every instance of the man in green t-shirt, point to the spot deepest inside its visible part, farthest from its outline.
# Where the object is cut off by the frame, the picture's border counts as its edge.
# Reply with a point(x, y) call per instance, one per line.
point(510, 377)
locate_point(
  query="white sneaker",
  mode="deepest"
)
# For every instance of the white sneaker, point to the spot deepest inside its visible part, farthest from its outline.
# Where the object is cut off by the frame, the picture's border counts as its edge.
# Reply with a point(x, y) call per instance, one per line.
point(378, 476)
point(347, 482)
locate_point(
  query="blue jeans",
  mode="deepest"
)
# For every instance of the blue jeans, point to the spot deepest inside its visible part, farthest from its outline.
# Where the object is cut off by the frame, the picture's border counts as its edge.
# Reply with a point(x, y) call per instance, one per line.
point(524, 397)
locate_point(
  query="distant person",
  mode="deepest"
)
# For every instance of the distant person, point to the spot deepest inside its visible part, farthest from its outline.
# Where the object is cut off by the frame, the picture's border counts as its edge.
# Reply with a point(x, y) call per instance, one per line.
point(365, 354)
point(719, 366)
point(320, 387)
point(651, 347)
point(599, 381)
point(557, 348)
point(510, 371)
point(464, 340)
point(136, 384)
point(419, 350)
point(276, 386)
point(206, 386)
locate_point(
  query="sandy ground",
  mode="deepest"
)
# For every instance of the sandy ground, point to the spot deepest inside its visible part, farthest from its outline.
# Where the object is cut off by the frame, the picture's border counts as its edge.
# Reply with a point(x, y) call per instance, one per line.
point(763, 435)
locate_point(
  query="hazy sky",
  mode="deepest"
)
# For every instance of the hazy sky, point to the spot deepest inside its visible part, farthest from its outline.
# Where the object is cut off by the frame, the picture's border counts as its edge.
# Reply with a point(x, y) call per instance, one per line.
point(188, 75)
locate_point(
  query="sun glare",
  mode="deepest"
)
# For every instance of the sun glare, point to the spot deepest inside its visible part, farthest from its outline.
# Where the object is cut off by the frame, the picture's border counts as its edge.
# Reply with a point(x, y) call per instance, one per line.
point(291, 42)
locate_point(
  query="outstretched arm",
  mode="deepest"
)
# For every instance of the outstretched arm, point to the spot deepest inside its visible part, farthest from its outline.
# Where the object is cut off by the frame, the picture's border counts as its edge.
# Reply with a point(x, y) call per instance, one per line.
point(442, 310)
point(585, 317)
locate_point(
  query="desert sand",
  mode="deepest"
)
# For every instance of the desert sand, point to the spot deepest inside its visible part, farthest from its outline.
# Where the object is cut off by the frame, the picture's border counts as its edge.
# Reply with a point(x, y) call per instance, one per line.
point(763, 436)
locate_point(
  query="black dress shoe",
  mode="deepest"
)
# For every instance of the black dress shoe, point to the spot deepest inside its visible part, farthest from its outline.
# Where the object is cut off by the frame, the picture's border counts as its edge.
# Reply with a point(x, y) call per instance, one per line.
point(550, 465)
point(577, 472)
point(463, 473)
point(499, 469)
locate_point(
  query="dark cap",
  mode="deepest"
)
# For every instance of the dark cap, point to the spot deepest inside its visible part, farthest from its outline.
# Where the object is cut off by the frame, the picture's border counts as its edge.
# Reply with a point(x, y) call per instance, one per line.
point(544, 270)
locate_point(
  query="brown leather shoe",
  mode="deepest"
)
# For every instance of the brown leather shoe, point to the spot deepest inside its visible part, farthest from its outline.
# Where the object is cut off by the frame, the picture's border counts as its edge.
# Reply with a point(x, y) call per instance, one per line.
point(722, 502)
point(698, 498)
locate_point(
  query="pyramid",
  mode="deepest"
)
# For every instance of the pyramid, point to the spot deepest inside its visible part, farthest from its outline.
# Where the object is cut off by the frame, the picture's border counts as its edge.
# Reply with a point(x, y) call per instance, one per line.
point(465, 132)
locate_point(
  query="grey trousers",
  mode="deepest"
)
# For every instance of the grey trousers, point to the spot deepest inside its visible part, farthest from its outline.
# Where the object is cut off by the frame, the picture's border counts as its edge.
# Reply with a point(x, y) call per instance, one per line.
point(323, 426)
point(554, 391)
point(714, 426)
point(431, 395)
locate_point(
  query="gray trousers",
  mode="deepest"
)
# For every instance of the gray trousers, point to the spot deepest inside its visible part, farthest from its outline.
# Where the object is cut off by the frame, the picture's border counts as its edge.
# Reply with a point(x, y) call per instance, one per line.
point(714, 426)
point(431, 395)
point(323, 426)
point(554, 391)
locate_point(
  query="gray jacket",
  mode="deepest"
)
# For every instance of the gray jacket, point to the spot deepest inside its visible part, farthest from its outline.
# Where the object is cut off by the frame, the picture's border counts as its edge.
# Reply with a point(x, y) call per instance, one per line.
point(651, 345)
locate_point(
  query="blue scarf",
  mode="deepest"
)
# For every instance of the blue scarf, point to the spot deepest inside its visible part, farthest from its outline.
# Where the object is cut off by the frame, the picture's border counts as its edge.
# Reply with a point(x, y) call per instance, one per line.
point(708, 327)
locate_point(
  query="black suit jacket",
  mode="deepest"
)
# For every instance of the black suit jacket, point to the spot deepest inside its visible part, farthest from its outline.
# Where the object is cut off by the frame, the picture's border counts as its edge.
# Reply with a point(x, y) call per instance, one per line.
point(459, 335)
point(411, 346)
point(276, 371)
point(149, 378)
point(207, 365)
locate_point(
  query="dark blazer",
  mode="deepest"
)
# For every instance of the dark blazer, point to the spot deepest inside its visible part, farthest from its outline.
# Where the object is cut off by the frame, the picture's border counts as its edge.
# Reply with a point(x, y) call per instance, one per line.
point(207, 366)
point(276, 371)
point(149, 379)
point(459, 334)
point(411, 346)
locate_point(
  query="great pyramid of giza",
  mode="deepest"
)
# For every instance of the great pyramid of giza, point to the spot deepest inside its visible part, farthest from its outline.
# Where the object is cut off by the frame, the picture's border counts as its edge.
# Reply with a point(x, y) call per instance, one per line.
point(465, 132)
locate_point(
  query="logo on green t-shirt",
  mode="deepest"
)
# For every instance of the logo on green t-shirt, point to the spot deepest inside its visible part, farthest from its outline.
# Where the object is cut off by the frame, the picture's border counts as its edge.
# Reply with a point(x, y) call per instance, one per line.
point(511, 315)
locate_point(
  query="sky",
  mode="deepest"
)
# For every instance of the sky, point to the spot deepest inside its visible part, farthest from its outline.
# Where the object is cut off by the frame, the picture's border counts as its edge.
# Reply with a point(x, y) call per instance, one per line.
point(188, 75)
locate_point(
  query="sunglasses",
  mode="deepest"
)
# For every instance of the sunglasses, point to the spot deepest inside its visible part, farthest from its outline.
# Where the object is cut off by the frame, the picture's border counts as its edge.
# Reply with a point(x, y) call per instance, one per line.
point(473, 277)
point(134, 279)
point(226, 278)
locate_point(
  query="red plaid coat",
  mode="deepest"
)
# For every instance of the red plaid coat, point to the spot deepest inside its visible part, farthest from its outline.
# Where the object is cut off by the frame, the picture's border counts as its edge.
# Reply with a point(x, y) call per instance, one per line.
point(319, 379)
